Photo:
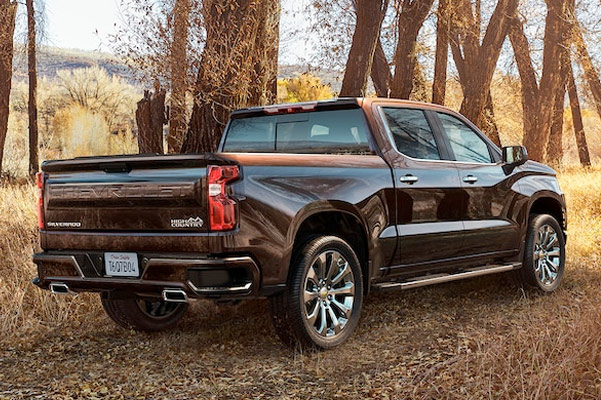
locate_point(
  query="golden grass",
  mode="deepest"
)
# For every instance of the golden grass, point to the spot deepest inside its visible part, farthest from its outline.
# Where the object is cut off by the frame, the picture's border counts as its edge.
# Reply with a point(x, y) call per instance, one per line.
point(482, 338)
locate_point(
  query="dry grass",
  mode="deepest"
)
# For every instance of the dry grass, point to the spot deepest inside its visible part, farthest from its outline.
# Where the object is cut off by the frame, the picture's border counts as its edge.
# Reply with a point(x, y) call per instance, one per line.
point(483, 338)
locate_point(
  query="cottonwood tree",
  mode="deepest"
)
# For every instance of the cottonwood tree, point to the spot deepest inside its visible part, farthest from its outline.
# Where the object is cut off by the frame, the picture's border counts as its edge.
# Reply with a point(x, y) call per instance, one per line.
point(370, 14)
point(179, 71)
point(162, 42)
point(583, 152)
point(32, 104)
point(538, 95)
point(590, 72)
point(443, 25)
point(8, 11)
point(227, 72)
point(410, 20)
point(476, 58)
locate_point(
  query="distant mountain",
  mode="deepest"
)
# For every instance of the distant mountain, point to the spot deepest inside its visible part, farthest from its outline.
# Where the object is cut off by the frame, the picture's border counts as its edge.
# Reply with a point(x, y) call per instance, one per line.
point(52, 59)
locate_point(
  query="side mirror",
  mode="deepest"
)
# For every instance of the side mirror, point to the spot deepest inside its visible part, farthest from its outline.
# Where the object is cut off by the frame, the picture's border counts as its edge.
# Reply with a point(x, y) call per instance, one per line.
point(514, 155)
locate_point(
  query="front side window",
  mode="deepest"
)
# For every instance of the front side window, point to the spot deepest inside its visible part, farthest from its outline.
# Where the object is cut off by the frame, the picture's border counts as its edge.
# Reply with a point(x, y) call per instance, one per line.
point(411, 132)
point(320, 132)
point(467, 145)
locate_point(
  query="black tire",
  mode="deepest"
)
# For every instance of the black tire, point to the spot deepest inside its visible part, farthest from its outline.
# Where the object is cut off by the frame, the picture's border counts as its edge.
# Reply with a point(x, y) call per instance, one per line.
point(532, 272)
point(143, 314)
point(290, 309)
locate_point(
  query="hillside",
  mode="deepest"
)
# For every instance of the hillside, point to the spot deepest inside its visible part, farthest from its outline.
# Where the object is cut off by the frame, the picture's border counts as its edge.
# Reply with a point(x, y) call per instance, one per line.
point(53, 59)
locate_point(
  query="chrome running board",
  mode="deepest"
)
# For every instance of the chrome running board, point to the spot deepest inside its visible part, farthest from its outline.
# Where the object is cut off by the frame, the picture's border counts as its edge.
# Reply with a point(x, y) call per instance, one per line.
point(441, 278)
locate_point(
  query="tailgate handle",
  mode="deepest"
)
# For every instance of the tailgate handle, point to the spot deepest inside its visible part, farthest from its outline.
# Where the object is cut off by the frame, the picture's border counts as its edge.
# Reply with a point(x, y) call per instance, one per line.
point(115, 167)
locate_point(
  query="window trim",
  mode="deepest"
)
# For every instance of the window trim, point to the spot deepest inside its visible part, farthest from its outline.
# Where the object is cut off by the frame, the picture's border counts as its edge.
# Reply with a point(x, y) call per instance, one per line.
point(493, 150)
point(440, 143)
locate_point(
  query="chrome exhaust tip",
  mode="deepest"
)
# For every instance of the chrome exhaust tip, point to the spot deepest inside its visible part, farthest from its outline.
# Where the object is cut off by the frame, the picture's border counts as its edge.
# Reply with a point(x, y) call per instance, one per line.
point(60, 288)
point(175, 296)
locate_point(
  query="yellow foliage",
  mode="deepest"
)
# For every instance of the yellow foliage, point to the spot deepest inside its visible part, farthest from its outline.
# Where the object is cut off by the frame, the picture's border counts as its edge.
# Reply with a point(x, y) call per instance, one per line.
point(305, 87)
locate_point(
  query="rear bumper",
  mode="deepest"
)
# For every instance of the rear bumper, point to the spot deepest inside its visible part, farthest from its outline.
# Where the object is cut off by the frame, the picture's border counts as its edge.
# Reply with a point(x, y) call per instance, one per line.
point(199, 276)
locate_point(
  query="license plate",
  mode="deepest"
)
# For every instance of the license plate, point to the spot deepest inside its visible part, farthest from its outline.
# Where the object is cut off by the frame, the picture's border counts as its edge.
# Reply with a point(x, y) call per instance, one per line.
point(121, 264)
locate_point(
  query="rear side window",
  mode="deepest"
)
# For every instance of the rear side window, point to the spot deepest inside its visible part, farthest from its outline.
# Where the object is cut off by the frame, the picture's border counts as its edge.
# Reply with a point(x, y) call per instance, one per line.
point(252, 135)
point(321, 132)
point(411, 132)
point(467, 145)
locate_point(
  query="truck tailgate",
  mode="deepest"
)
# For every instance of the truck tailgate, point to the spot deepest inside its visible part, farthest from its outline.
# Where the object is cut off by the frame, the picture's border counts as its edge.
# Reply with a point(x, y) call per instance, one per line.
point(128, 195)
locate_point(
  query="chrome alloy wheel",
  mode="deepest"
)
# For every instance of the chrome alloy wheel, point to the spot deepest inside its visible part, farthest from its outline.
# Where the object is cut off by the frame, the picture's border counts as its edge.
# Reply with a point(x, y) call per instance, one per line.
point(328, 295)
point(547, 255)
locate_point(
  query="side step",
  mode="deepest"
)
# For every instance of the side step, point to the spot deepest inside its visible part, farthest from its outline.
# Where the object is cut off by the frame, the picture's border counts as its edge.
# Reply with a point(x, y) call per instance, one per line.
point(441, 278)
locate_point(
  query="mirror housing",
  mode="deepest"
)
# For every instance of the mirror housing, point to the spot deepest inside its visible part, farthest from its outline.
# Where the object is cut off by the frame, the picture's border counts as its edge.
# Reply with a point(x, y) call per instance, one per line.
point(515, 155)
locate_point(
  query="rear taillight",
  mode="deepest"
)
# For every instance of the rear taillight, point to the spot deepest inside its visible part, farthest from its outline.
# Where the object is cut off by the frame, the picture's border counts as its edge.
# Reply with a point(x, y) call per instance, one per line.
point(39, 178)
point(222, 208)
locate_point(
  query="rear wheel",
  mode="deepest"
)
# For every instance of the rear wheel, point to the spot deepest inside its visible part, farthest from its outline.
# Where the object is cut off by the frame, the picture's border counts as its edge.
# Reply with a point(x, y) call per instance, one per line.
point(544, 254)
point(322, 305)
point(143, 314)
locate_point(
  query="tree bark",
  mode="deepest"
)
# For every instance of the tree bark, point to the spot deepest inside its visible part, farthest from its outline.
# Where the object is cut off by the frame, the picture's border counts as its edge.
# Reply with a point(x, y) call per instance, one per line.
point(179, 72)
point(150, 118)
point(263, 89)
point(489, 122)
point(475, 61)
point(8, 12)
point(226, 73)
point(583, 153)
point(370, 14)
point(590, 72)
point(380, 72)
point(410, 21)
point(439, 85)
point(32, 104)
point(536, 97)
point(555, 143)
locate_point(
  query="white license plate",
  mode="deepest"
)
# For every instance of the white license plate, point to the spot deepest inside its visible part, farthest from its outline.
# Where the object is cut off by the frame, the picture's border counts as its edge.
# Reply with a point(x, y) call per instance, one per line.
point(121, 264)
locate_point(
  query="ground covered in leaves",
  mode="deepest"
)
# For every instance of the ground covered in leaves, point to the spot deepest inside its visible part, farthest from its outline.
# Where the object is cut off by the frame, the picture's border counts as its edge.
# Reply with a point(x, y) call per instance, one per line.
point(483, 338)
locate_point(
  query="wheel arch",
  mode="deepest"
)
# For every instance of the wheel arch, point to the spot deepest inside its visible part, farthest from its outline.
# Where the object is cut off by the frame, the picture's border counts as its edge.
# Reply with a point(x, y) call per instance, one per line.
point(334, 218)
point(549, 203)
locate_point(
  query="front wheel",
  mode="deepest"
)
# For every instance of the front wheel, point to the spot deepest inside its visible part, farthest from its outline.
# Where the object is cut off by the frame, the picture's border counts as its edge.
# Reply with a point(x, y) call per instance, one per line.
point(544, 254)
point(143, 314)
point(322, 305)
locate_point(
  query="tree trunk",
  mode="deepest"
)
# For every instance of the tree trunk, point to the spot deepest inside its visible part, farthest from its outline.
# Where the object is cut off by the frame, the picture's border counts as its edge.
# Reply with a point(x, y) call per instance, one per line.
point(150, 118)
point(226, 74)
point(380, 72)
point(555, 143)
point(33, 87)
point(590, 72)
point(363, 47)
point(263, 87)
point(179, 72)
point(489, 122)
point(583, 153)
point(475, 61)
point(8, 11)
point(536, 97)
point(439, 85)
point(410, 22)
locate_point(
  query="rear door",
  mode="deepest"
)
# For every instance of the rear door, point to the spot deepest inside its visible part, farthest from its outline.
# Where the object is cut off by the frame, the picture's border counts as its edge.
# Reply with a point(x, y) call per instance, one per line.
point(429, 193)
point(489, 228)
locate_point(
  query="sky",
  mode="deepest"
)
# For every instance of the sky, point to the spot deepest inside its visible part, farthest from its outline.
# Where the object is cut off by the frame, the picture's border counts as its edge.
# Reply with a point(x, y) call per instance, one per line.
point(86, 25)
point(81, 24)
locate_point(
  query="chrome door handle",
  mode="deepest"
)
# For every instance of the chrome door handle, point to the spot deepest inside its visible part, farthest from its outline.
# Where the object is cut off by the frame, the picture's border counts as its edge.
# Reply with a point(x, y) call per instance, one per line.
point(409, 179)
point(470, 179)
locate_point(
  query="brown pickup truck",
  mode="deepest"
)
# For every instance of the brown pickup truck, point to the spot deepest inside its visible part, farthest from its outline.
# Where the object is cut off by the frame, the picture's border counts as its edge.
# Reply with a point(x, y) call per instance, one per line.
point(311, 205)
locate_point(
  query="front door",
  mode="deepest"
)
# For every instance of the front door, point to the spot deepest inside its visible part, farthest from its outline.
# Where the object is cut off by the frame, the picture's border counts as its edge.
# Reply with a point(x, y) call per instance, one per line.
point(430, 196)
